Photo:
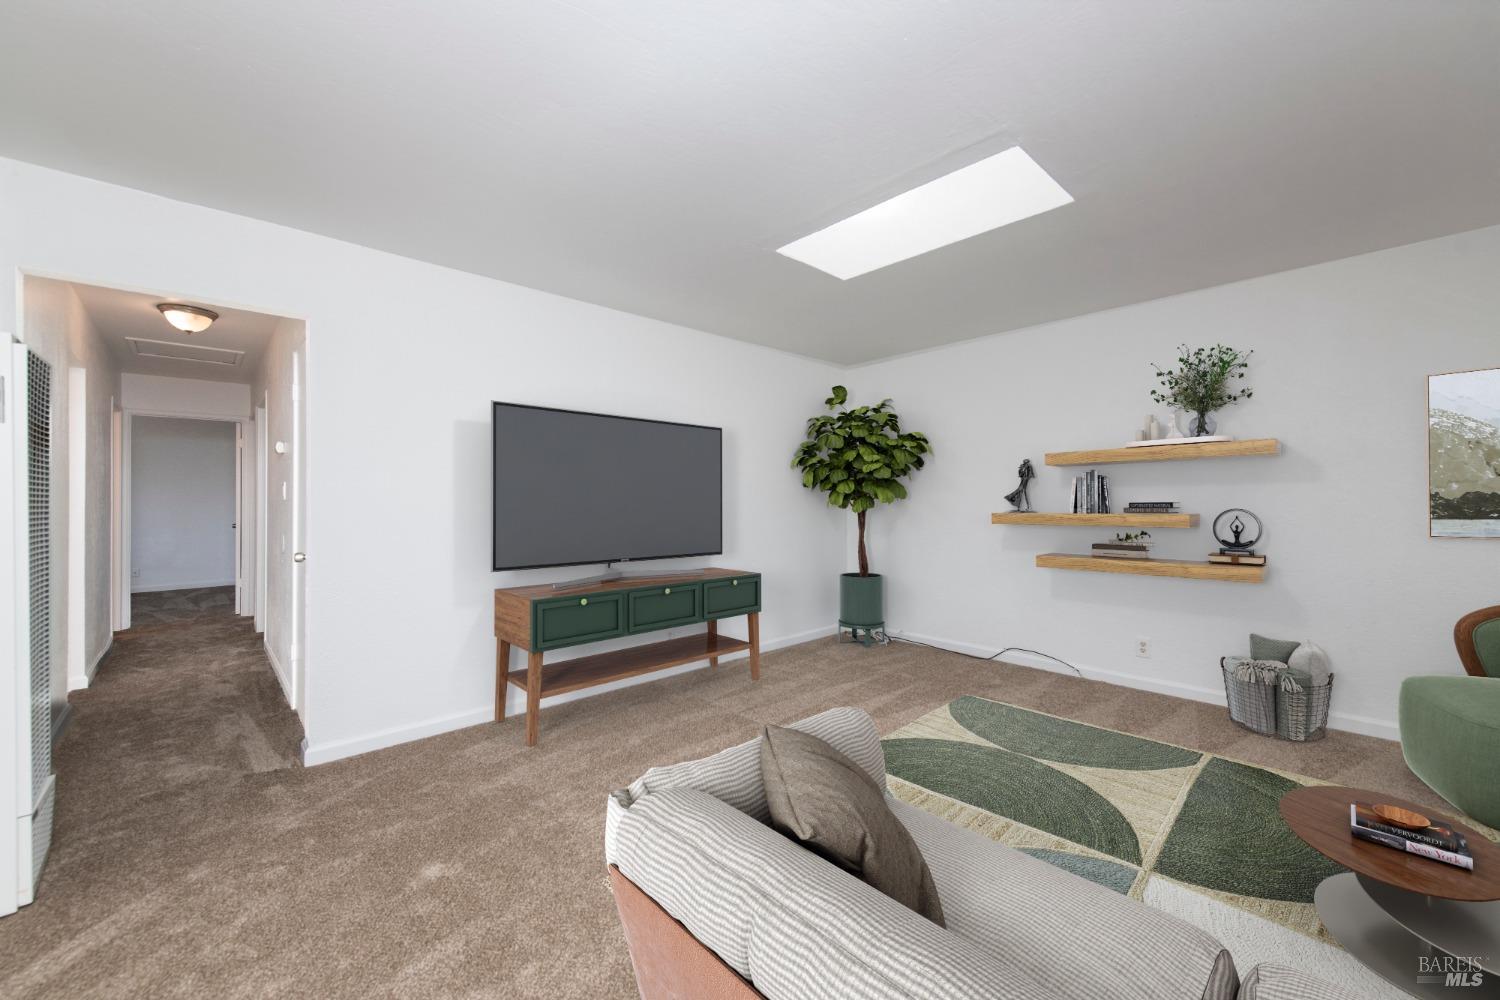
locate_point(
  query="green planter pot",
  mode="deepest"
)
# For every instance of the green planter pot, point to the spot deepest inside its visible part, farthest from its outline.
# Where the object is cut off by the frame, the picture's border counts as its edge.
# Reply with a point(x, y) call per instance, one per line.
point(862, 601)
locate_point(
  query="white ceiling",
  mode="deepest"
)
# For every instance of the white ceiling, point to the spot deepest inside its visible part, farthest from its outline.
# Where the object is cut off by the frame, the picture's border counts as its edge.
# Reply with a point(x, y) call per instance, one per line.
point(652, 155)
point(119, 316)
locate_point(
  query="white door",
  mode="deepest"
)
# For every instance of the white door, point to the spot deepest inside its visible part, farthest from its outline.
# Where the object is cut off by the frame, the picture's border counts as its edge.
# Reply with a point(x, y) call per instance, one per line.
point(262, 499)
point(299, 528)
point(119, 593)
point(239, 513)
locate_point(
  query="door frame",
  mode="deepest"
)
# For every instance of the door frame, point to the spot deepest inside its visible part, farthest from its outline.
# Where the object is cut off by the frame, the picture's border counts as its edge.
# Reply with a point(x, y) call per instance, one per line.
point(262, 501)
point(299, 531)
point(119, 594)
point(128, 419)
point(239, 517)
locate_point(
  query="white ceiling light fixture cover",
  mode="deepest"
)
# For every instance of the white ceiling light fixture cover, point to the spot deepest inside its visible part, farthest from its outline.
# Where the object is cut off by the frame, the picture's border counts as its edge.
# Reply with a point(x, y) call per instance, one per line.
point(994, 192)
point(188, 319)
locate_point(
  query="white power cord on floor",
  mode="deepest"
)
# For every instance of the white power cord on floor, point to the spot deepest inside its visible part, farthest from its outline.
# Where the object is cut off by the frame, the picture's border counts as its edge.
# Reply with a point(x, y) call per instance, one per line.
point(996, 656)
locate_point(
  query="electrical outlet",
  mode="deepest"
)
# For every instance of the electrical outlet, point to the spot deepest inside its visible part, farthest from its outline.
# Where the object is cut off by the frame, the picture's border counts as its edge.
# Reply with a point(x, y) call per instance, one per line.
point(135, 573)
point(1143, 647)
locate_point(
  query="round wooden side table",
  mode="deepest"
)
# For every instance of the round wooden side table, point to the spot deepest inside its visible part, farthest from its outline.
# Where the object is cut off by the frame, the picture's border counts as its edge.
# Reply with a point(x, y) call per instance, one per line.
point(1426, 927)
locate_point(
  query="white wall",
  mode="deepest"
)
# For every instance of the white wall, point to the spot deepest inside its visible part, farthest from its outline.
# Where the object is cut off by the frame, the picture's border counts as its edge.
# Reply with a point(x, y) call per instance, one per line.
point(403, 361)
point(53, 323)
point(1342, 352)
point(184, 397)
point(181, 503)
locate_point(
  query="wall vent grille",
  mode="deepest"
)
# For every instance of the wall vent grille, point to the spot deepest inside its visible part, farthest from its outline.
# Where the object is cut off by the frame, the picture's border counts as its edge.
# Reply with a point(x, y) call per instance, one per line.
point(39, 530)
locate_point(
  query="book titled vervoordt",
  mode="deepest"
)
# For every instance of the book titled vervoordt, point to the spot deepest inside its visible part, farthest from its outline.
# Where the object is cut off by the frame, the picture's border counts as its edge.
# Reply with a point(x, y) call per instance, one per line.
point(1440, 842)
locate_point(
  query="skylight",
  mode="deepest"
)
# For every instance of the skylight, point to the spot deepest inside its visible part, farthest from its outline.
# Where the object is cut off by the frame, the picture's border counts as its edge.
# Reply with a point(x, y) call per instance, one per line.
point(994, 192)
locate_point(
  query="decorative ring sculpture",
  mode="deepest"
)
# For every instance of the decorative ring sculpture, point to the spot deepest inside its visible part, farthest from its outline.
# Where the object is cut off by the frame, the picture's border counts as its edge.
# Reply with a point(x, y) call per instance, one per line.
point(1237, 527)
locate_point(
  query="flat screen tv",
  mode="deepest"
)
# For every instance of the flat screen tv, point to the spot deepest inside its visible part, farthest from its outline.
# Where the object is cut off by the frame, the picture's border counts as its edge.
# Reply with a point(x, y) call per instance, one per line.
point(572, 488)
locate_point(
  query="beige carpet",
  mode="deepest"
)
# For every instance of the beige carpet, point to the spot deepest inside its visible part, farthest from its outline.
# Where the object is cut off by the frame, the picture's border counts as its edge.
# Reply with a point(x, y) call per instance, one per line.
point(192, 858)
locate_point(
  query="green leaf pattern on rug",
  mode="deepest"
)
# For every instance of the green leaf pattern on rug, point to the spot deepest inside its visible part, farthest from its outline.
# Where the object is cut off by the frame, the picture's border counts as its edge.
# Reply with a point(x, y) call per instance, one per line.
point(1048, 738)
point(1017, 787)
point(1230, 837)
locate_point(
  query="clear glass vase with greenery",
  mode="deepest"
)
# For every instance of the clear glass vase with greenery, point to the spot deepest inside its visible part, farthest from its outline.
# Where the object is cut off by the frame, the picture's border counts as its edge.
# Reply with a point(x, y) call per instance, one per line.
point(1204, 381)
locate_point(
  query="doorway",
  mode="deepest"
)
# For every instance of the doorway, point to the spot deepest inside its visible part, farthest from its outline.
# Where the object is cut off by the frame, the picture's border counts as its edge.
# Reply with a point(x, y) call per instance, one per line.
point(184, 507)
point(167, 495)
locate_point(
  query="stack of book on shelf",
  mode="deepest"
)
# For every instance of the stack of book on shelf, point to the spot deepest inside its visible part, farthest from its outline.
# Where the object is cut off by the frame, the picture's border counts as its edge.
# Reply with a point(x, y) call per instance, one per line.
point(1091, 493)
point(1123, 550)
point(1438, 841)
point(1237, 557)
point(1153, 507)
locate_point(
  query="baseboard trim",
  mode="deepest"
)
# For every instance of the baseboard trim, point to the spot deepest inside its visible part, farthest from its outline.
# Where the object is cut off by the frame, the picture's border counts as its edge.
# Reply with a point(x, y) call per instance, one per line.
point(325, 753)
point(94, 667)
point(79, 683)
point(282, 677)
point(1364, 725)
point(156, 588)
point(314, 754)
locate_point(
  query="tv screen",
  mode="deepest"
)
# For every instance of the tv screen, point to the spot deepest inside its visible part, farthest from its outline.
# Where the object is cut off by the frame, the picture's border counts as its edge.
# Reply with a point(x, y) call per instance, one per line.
point(572, 488)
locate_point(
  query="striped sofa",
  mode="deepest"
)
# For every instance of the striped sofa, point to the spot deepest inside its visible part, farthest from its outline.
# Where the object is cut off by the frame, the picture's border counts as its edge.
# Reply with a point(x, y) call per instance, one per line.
point(716, 904)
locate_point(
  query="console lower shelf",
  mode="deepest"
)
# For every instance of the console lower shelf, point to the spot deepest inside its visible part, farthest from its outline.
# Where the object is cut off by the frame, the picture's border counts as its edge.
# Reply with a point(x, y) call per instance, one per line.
point(601, 668)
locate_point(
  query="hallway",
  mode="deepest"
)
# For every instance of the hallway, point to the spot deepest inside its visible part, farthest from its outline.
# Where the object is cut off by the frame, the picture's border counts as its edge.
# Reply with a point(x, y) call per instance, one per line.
point(183, 712)
point(184, 696)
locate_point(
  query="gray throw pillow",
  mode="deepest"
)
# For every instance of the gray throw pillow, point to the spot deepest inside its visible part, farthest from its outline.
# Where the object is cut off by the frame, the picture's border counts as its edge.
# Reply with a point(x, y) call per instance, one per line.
point(1279, 650)
point(831, 805)
point(1309, 664)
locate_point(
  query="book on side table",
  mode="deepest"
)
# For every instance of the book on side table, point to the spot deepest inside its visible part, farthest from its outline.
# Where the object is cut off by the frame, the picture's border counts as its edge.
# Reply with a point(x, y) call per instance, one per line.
point(1437, 841)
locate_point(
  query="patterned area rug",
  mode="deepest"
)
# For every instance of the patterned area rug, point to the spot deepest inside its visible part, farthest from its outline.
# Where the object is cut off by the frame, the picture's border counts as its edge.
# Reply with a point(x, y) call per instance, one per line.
point(1185, 831)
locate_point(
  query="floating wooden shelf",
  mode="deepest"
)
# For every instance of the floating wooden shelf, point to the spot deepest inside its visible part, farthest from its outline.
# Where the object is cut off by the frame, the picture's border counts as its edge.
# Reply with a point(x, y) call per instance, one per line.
point(1153, 567)
point(601, 668)
point(1166, 452)
point(1097, 520)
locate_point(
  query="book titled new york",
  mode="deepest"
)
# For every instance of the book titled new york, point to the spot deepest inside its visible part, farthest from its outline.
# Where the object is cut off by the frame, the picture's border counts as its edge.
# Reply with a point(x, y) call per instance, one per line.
point(1440, 842)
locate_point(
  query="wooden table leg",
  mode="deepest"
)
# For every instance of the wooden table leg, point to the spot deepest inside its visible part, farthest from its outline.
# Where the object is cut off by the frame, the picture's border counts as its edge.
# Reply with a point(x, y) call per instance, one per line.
point(713, 637)
point(502, 676)
point(533, 695)
point(754, 621)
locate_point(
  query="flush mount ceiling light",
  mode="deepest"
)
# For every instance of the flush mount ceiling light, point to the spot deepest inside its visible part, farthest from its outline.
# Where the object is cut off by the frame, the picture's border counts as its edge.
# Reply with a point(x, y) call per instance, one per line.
point(188, 319)
point(994, 192)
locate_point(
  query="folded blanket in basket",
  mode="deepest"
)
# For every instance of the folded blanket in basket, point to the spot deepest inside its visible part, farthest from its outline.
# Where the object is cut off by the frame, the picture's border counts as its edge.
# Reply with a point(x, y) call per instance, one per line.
point(1255, 671)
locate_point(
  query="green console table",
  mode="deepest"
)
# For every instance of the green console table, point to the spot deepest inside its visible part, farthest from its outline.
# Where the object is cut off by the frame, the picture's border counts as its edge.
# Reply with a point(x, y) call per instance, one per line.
point(540, 618)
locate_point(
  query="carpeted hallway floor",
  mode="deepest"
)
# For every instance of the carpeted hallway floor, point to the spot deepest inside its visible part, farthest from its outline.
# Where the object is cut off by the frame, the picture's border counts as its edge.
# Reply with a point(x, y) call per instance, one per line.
point(194, 858)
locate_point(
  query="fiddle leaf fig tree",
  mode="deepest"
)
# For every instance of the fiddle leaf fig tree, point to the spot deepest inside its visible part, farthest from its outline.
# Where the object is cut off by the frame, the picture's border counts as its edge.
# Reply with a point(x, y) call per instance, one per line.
point(858, 457)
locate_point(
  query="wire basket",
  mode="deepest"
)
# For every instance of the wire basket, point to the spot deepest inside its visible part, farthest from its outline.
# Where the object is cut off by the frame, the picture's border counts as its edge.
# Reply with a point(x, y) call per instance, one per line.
point(1252, 704)
point(1303, 715)
point(1267, 709)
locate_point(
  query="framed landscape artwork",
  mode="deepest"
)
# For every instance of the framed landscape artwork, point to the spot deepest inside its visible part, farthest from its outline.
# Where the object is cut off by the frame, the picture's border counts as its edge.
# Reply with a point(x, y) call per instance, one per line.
point(1463, 454)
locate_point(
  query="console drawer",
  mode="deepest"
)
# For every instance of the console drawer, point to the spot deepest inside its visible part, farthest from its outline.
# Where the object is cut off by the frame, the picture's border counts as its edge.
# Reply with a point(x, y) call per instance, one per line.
point(663, 607)
point(567, 621)
point(738, 596)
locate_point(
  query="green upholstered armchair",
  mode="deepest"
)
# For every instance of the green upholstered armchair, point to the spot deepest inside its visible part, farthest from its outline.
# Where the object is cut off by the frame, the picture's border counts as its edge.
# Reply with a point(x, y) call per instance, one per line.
point(1450, 726)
